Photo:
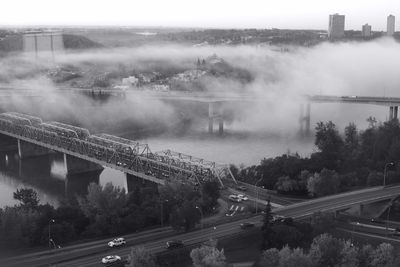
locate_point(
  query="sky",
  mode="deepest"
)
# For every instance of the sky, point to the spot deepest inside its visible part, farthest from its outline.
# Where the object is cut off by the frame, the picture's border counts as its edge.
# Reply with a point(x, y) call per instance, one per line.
point(289, 14)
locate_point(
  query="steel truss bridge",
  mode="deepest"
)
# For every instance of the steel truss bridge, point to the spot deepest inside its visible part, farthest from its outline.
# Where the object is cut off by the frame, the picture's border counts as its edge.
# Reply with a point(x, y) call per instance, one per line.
point(126, 155)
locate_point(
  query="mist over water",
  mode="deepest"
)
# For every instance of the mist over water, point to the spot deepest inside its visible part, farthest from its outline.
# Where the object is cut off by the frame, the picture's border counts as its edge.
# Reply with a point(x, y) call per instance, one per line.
point(253, 131)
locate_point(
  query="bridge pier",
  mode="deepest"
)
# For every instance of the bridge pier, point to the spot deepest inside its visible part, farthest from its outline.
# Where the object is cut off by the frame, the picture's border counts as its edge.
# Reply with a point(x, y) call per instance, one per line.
point(305, 119)
point(77, 184)
point(74, 165)
point(393, 112)
point(215, 112)
point(27, 150)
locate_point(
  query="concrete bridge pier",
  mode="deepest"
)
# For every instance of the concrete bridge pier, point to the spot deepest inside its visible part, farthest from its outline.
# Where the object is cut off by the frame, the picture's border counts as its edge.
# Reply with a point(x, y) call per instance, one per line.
point(393, 112)
point(27, 150)
point(215, 112)
point(74, 165)
point(305, 119)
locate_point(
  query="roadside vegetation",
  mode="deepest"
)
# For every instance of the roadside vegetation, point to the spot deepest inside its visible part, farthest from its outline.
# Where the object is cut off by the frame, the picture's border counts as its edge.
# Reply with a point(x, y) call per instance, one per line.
point(104, 212)
point(345, 161)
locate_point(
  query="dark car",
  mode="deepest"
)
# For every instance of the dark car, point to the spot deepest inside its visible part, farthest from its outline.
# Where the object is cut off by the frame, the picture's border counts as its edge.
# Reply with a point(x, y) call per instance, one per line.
point(246, 225)
point(377, 220)
point(241, 188)
point(174, 244)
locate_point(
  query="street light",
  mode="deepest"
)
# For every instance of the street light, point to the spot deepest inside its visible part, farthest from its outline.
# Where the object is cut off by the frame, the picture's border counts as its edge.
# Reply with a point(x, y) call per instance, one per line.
point(201, 214)
point(384, 172)
point(262, 176)
point(50, 240)
point(387, 217)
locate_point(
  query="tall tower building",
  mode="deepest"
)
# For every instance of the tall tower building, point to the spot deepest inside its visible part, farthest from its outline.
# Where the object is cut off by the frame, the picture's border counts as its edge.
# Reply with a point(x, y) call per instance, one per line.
point(390, 25)
point(366, 30)
point(336, 26)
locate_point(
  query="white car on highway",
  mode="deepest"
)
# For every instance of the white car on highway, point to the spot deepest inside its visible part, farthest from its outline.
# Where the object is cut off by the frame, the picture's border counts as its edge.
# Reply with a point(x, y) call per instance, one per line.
point(110, 259)
point(117, 242)
point(242, 197)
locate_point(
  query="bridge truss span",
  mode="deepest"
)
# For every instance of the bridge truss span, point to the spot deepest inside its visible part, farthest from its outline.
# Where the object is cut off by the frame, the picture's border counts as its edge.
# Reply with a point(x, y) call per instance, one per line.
point(122, 154)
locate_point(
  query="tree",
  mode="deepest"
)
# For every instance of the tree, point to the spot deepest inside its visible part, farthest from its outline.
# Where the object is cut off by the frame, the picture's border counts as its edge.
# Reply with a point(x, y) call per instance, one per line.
point(349, 255)
point(267, 226)
point(104, 206)
point(351, 137)
point(140, 257)
point(181, 202)
point(209, 195)
point(208, 256)
point(28, 197)
point(327, 137)
point(270, 258)
point(383, 256)
point(326, 251)
point(294, 258)
point(324, 183)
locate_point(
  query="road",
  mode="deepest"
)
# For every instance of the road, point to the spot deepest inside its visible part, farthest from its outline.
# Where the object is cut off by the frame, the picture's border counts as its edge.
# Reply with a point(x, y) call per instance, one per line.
point(90, 254)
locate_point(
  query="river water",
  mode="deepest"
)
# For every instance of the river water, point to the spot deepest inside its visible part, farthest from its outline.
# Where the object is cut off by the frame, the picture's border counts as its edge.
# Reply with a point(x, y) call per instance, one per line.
point(239, 145)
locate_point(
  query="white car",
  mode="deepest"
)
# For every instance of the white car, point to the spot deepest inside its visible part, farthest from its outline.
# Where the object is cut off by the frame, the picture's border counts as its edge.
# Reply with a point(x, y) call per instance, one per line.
point(117, 242)
point(110, 259)
point(243, 197)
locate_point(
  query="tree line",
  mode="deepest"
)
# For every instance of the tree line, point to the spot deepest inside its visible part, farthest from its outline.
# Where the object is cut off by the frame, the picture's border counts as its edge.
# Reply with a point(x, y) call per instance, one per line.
point(343, 161)
point(103, 211)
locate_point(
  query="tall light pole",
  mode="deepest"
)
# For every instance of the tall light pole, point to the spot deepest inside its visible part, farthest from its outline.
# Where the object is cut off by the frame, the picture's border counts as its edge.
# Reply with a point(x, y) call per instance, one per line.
point(201, 214)
point(50, 222)
point(387, 217)
point(384, 172)
point(262, 176)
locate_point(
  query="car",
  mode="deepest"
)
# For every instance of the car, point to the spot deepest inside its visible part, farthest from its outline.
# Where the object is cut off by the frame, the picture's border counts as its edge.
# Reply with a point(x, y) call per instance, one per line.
point(243, 197)
point(246, 225)
point(110, 259)
point(117, 242)
point(377, 220)
point(235, 198)
point(241, 188)
point(278, 218)
point(174, 244)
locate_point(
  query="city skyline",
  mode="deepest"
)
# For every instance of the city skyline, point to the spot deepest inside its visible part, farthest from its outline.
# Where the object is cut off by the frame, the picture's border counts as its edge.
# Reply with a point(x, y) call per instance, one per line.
point(308, 14)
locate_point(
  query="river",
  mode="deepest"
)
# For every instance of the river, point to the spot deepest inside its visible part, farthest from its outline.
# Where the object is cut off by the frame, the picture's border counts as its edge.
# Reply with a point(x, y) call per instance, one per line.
point(239, 145)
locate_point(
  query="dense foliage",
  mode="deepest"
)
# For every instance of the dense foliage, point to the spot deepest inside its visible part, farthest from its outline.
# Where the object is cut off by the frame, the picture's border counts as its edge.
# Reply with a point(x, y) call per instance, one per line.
point(104, 211)
point(352, 159)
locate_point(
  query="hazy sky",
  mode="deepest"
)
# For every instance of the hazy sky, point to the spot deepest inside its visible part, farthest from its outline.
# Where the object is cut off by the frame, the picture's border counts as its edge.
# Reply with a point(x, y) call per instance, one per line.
point(295, 14)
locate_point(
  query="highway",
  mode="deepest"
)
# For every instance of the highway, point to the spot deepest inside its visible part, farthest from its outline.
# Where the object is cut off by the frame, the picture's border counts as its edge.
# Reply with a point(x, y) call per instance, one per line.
point(90, 254)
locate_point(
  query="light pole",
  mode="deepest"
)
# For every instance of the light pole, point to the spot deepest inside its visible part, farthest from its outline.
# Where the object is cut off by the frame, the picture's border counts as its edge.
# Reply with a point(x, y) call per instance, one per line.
point(384, 172)
point(262, 176)
point(201, 214)
point(50, 222)
point(387, 217)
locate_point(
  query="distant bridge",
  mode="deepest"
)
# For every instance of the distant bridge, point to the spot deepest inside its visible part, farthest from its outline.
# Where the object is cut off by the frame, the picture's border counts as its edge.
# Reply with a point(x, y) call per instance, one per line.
point(214, 100)
point(84, 152)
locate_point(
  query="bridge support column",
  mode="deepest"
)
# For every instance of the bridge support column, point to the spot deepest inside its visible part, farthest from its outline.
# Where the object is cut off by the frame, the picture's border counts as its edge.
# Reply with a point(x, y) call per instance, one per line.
point(391, 112)
point(133, 182)
point(395, 112)
point(305, 120)
point(361, 209)
point(221, 126)
point(210, 117)
point(27, 150)
point(74, 165)
point(215, 112)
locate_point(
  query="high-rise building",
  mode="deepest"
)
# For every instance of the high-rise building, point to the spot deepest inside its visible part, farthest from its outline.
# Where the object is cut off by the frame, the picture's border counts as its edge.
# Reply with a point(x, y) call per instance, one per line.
point(336, 26)
point(390, 25)
point(366, 30)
